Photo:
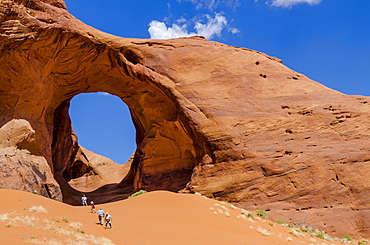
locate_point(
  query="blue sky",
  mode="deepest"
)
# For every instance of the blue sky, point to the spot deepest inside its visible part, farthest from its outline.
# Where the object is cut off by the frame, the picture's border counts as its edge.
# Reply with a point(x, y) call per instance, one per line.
point(326, 40)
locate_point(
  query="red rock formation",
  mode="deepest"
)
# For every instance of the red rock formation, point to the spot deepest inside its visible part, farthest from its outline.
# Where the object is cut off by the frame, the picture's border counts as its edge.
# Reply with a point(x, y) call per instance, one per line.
point(22, 165)
point(227, 122)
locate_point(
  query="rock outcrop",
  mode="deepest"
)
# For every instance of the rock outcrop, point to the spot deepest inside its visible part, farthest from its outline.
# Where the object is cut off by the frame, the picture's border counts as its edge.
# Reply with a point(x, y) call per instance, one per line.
point(227, 122)
point(22, 165)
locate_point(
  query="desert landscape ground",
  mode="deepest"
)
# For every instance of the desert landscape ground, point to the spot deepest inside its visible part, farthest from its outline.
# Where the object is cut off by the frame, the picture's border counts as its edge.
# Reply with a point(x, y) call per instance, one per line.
point(158, 217)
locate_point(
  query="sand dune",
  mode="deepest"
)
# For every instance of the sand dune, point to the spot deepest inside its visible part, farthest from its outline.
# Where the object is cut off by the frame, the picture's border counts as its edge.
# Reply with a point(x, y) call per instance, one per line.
point(158, 217)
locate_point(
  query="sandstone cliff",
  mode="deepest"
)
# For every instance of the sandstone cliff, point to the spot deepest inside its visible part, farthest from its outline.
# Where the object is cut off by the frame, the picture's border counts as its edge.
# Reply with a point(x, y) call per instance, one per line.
point(228, 122)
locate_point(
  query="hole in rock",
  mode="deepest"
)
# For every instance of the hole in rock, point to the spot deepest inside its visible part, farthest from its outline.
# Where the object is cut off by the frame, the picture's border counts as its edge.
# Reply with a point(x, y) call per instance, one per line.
point(103, 125)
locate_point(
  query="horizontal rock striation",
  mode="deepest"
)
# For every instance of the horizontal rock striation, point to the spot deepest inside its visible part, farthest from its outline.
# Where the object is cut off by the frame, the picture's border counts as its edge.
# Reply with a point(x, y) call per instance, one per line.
point(230, 123)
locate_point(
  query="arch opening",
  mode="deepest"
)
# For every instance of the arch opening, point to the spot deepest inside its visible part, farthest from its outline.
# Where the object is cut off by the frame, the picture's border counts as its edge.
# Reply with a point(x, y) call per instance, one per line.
point(104, 141)
point(103, 125)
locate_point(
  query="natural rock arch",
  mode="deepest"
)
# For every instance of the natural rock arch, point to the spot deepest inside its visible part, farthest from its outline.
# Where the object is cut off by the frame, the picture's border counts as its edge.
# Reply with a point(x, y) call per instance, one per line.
point(164, 137)
point(228, 122)
point(164, 134)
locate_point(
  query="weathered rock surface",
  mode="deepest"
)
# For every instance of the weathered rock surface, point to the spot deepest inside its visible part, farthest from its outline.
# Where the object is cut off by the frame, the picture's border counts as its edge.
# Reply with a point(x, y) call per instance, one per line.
point(228, 122)
point(22, 167)
point(91, 171)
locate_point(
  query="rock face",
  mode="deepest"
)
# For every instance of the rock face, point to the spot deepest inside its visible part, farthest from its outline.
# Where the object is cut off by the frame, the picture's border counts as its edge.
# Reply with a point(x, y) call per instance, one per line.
point(22, 165)
point(227, 122)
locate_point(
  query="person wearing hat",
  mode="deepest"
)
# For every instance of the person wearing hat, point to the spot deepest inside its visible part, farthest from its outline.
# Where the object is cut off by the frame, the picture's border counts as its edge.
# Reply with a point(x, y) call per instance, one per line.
point(101, 216)
point(108, 221)
point(92, 207)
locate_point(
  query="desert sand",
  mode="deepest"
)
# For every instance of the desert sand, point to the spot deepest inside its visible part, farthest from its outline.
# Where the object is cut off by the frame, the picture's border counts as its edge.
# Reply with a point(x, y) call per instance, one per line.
point(158, 217)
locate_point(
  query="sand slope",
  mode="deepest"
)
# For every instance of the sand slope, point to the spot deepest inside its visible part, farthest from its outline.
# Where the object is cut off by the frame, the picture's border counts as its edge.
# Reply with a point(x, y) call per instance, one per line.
point(157, 217)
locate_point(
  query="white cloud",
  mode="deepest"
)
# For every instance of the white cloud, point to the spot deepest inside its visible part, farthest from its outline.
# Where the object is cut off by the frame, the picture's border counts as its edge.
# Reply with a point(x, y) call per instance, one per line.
point(212, 27)
point(103, 94)
point(212, 4)
point(207, 4)
point(233, 30)
point(159, 30)
point(290, 3)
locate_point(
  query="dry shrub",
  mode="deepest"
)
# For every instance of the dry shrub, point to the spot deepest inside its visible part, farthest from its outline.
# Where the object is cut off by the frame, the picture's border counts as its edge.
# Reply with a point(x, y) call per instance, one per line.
point(264, 231)
point(38, 209)
point(3, 217)
point(76, 225)
point(103, 241)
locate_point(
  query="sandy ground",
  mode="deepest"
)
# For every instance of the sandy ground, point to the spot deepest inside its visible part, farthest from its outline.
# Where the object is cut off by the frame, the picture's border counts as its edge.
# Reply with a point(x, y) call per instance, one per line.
point(155, 218)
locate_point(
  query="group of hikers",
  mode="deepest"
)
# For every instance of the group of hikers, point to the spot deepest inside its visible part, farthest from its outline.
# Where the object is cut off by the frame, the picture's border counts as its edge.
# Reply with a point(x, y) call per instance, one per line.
point(101, 214)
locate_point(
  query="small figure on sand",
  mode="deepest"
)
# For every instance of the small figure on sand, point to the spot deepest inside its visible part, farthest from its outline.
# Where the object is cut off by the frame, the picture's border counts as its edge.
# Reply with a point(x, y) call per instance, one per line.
point(84, 200)
point(92, 207)
point(101, 216)
point(108, 221)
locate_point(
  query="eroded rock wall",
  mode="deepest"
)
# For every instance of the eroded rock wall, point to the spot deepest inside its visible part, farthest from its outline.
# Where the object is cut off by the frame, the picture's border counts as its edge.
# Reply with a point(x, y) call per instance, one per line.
point(228, 122)
point(22, 166)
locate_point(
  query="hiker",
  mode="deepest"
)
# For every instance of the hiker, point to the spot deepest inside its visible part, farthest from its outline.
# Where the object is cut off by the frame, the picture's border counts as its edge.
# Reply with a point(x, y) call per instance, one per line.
point(84, 200)
point(108, 220)
point(101, 216)
point(92, 207)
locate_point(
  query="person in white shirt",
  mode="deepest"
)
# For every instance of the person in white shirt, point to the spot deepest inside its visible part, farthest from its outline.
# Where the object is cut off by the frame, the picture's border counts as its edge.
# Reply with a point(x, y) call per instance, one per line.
point(108, 221)
point(84, 200)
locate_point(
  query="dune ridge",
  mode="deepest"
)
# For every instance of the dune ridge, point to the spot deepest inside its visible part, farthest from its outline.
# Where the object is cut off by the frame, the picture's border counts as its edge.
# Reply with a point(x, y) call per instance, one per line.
point(158, 217)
